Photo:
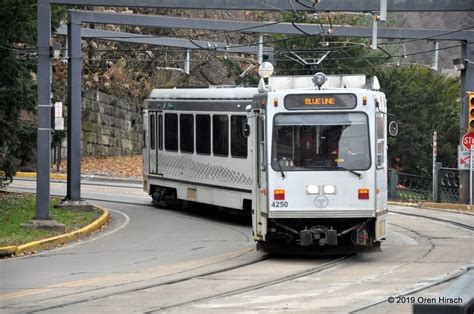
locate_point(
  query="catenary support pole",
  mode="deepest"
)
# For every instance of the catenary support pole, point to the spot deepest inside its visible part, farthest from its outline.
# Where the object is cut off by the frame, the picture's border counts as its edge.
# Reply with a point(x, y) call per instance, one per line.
point(44, 112)
point(187, 63)
point(74, 111)
point(434, 174)
point(260, 48)
point(374, 32)
point(470, 175)
point(435, 55)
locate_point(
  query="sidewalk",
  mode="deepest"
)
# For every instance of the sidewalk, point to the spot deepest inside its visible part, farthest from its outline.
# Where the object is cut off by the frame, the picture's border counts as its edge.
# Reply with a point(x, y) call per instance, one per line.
point(84, 177)
point(442, 214)
point(458, 208)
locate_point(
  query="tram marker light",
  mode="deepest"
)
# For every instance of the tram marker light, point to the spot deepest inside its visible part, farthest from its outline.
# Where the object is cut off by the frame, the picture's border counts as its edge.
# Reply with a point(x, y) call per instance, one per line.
point(312, 189)
point(363, 194)
point(279, 194)
point(470, 112)
point(329, 189)
point(275, 102)
point(364, 100)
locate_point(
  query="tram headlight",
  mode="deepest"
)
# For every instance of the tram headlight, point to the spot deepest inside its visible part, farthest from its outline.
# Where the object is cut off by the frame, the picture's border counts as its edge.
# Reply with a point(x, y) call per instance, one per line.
point(265, 70)
point(312, 189)
point(329, 189)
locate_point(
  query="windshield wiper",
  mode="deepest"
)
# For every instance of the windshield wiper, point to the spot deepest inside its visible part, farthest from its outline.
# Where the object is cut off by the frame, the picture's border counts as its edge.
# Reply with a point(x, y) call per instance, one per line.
point(358, 174)
point(283, 175)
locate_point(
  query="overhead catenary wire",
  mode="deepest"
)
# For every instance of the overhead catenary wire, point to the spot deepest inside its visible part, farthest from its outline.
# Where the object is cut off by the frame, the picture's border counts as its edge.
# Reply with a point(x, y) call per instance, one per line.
point(431, 50)
point(427, 37)
point(305, 34)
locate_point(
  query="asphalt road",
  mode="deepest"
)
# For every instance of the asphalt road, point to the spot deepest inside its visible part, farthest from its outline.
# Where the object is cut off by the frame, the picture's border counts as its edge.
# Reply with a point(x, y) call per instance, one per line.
point(152, 260)
point(140, 236)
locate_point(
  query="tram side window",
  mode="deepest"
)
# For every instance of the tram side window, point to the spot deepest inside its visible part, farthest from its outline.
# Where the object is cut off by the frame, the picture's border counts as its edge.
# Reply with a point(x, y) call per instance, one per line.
point(380, 127)
point(203, 134)
point(238, 142)
point(171, 132)
point(186, 131)
point(220, 135)
point(160, 132)
point(152, 131)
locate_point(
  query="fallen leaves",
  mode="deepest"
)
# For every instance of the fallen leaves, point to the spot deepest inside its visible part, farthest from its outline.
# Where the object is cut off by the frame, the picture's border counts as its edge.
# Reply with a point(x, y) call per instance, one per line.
point(119, 166)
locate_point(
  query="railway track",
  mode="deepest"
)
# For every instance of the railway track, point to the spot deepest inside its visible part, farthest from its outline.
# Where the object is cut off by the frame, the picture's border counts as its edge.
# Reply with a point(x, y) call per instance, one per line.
point(131, 286)
point(220, 272)
point(127, 283)
point(256, 286)
point(431, 285)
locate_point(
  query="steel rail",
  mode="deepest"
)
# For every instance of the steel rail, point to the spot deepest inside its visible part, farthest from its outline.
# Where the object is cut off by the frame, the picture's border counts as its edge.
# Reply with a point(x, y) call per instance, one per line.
point(296, 275)
point(434, 284)
point(149, 286)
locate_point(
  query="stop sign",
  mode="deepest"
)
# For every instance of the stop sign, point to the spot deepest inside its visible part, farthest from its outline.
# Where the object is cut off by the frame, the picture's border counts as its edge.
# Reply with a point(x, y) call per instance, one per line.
point(468, 141)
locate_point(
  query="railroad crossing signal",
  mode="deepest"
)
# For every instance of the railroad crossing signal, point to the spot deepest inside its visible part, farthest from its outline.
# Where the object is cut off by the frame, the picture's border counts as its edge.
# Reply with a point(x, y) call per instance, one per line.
point(470, 112)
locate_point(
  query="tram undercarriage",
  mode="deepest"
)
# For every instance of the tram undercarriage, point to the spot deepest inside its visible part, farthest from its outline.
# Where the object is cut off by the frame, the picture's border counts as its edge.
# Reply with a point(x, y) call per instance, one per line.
point(322, 232)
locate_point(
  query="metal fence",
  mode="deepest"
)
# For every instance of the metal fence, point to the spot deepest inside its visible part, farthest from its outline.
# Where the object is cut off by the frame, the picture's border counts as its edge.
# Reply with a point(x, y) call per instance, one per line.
point(448, 185)
point(416, 188)
point(413, 188)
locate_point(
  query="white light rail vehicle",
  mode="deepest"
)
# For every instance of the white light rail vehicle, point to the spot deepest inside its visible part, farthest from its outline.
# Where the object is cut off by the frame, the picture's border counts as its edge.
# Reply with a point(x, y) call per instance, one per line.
point(309, 162)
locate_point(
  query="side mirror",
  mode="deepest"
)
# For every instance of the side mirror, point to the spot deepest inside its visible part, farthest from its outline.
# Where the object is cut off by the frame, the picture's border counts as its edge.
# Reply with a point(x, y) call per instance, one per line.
point(246, 130)
point(393, 128)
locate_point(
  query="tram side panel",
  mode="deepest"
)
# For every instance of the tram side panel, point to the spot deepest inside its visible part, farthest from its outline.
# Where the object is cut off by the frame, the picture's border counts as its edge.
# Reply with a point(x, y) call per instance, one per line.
point(221, 173)
point(381, 164)
point(145, 152)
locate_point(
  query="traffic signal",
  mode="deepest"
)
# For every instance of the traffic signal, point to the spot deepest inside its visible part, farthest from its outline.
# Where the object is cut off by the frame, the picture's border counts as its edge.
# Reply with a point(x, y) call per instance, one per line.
point(470, 112)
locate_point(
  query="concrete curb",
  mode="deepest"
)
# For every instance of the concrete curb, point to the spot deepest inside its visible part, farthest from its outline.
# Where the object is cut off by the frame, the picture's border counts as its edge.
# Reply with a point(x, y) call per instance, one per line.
point(63, 176)
point(52, 242)
point(7, 251)
point(54, 176)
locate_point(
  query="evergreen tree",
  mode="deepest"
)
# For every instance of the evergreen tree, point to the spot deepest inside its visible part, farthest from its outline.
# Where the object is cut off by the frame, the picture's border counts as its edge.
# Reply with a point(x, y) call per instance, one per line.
point(17, 82)
point(423, 101)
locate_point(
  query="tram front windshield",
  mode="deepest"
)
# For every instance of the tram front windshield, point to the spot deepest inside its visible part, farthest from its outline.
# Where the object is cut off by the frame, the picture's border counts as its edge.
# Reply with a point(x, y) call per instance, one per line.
point(320, 141)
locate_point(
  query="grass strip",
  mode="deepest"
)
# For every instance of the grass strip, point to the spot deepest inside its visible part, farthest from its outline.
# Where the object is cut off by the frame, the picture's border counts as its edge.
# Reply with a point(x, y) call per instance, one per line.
point(16, 209)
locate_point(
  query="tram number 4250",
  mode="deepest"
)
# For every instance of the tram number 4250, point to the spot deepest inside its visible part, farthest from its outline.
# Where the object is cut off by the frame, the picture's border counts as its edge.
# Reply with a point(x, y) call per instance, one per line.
point(279, 204)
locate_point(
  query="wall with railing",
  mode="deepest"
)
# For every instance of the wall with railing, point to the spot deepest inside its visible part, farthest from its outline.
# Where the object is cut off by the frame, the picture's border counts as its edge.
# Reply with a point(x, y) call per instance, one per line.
point(443, 188)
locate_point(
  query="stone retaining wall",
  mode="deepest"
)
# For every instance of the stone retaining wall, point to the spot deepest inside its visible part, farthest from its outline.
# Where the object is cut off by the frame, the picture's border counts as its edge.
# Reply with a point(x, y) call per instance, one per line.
point(111, 126)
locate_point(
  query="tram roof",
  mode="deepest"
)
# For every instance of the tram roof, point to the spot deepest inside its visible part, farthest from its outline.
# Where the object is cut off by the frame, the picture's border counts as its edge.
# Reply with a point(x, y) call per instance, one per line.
point(204, 93)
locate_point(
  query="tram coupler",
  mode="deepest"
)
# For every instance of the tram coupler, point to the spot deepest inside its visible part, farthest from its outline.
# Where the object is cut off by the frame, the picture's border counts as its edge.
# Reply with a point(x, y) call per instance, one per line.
point(318, 235)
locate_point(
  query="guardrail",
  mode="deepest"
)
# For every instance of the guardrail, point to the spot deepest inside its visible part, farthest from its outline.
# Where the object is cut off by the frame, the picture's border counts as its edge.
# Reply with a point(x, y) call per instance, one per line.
point(457, 298)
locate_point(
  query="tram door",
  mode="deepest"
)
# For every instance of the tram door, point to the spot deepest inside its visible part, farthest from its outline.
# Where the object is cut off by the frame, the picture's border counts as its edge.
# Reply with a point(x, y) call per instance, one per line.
point(153, 164)
point(261, 208)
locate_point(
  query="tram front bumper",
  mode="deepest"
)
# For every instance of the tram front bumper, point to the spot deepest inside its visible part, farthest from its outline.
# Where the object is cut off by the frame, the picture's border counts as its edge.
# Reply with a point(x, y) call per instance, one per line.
point(319, 236)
